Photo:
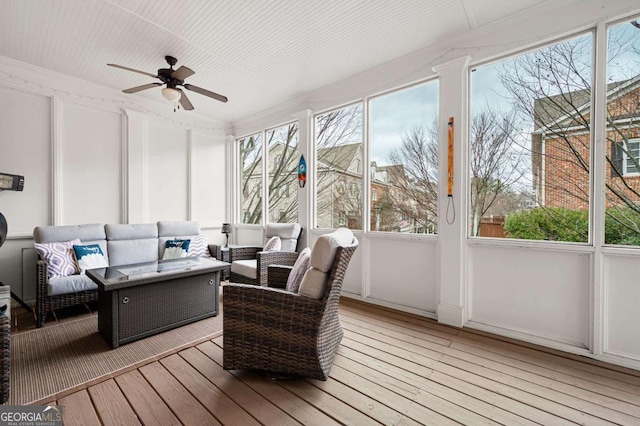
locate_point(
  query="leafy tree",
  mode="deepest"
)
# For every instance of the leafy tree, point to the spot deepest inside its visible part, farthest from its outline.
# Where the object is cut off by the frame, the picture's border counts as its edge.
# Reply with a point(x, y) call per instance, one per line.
point(495, 162)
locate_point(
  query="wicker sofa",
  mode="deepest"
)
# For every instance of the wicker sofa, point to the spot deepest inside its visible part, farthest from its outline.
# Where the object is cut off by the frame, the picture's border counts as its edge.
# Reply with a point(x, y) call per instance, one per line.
point(121, 243)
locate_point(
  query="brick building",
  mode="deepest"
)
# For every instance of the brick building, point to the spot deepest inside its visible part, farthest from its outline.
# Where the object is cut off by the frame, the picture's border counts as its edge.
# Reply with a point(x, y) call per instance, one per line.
point(561, 147)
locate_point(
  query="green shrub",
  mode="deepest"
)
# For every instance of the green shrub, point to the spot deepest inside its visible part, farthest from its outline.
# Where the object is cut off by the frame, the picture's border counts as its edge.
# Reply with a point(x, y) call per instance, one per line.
point(552, 224)
point(622, 225)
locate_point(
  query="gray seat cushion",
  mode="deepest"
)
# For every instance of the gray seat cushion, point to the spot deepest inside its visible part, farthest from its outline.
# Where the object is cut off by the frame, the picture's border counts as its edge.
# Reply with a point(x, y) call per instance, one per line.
point(247, 268)
point(70, 284)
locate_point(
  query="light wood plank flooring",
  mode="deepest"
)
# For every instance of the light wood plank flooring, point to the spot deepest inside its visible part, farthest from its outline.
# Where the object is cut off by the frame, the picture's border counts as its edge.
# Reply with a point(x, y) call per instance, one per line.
point(392, 368)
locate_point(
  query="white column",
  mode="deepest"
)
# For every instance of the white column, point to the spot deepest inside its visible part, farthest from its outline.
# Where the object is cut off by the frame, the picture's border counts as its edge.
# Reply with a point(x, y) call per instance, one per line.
point(232, 185)
point(453, 86)
point(306, 195)
point(598, 202)
point(137, 139)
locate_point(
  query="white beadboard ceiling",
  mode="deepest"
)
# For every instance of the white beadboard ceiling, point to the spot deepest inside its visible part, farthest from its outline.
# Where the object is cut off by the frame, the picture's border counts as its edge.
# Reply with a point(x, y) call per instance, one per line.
point(259, 53)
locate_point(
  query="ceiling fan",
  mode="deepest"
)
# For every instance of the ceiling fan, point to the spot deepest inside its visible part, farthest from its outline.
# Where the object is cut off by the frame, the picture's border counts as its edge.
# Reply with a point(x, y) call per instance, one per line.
point(172, 78)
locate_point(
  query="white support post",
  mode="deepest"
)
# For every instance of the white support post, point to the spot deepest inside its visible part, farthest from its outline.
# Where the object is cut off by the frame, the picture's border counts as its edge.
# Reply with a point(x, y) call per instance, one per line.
point(598, 196)
point(232, 215)
point(453, 89)
point(306, 195)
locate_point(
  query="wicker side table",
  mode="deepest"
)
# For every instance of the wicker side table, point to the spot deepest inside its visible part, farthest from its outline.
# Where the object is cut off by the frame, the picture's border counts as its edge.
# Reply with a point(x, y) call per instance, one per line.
point(5, 358)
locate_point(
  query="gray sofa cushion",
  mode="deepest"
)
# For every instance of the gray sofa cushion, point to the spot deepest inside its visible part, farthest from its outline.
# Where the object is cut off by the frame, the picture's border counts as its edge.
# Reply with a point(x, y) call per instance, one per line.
point(51, 234)
point(288, 233)
point(132, 243)
point(126, 252)
point(131, 231)
point(70, 284)
point(168, 228)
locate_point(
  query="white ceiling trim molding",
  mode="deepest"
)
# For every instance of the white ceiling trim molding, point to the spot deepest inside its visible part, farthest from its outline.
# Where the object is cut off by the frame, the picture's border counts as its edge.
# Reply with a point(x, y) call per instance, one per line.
point(34, 79)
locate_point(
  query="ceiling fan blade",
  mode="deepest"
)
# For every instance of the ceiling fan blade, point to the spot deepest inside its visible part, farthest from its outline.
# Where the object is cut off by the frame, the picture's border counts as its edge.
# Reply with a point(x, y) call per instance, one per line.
point(182, 73)
point(205, 92)
point(131, 69)
point(143, 87)
point(184, 101)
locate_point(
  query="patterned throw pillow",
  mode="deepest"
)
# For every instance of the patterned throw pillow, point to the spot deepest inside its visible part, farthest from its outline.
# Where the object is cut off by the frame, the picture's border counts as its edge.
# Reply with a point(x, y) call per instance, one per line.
point(175, 249)
point(299, 268)
point(274, 244)
point(199, 246)
point(89, 257)
point(59, 257)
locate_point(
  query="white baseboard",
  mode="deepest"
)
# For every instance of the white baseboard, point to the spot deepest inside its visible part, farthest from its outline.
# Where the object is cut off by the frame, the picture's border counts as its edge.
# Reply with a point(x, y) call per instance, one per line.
point(450, 315)
point(402, 308)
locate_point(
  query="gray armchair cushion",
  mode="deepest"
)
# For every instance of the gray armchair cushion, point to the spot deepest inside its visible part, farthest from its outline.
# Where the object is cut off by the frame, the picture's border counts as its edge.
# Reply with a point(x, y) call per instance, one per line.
point(247, 268)
point(288, 233)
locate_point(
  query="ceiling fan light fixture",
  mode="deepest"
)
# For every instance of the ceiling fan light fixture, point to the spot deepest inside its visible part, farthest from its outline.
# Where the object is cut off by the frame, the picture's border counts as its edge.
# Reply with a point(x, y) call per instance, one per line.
point(171, 94)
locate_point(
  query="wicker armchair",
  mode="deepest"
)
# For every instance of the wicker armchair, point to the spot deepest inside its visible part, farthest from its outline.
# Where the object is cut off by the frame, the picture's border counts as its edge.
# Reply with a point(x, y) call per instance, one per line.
point(281, 333)
point(264, 258)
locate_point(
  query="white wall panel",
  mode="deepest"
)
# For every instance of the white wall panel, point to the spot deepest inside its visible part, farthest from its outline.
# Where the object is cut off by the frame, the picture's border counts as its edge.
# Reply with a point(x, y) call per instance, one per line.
point(208, 172)
point(403, 272)
point(622, 316)
point(91, 165)
point(25, 149)
point(167, 179)
point(540, 292)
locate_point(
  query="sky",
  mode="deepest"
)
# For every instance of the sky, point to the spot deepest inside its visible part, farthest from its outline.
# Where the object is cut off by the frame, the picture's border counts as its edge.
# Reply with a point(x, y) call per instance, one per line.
point(395, 113)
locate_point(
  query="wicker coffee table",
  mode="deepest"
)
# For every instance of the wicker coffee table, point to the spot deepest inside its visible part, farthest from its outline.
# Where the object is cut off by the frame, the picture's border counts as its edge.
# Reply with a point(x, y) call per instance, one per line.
point(136, 301)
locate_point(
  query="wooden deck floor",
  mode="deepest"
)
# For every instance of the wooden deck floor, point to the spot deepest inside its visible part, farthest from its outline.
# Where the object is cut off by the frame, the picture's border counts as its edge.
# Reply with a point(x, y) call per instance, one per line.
point(391, 368)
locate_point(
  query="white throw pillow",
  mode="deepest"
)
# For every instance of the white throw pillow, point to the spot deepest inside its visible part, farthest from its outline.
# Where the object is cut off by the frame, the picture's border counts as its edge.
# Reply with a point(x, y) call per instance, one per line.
point(199, 246)
point(274, 244)
point(313, 284)
point(89, 257)
point(175, 249)
point(297, 272)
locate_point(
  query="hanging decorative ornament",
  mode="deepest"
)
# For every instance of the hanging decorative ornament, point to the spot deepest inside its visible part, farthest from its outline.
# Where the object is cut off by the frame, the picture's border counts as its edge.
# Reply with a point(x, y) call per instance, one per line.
point(302, 172)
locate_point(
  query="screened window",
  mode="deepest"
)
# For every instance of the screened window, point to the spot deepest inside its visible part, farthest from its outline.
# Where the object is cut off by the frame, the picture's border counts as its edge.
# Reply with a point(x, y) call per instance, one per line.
point(283, 149)
point(530, 139)
point(622, 204)
point(404, 153)
point(251, 178)
point(338, 136)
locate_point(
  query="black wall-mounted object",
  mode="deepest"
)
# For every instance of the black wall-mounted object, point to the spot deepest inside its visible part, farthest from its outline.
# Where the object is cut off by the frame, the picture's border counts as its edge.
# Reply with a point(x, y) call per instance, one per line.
point(11, 182)
point(3, 229)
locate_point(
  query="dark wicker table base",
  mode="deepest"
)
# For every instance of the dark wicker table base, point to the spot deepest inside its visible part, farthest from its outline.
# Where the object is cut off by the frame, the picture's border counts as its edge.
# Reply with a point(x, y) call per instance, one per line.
point(132, 313)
